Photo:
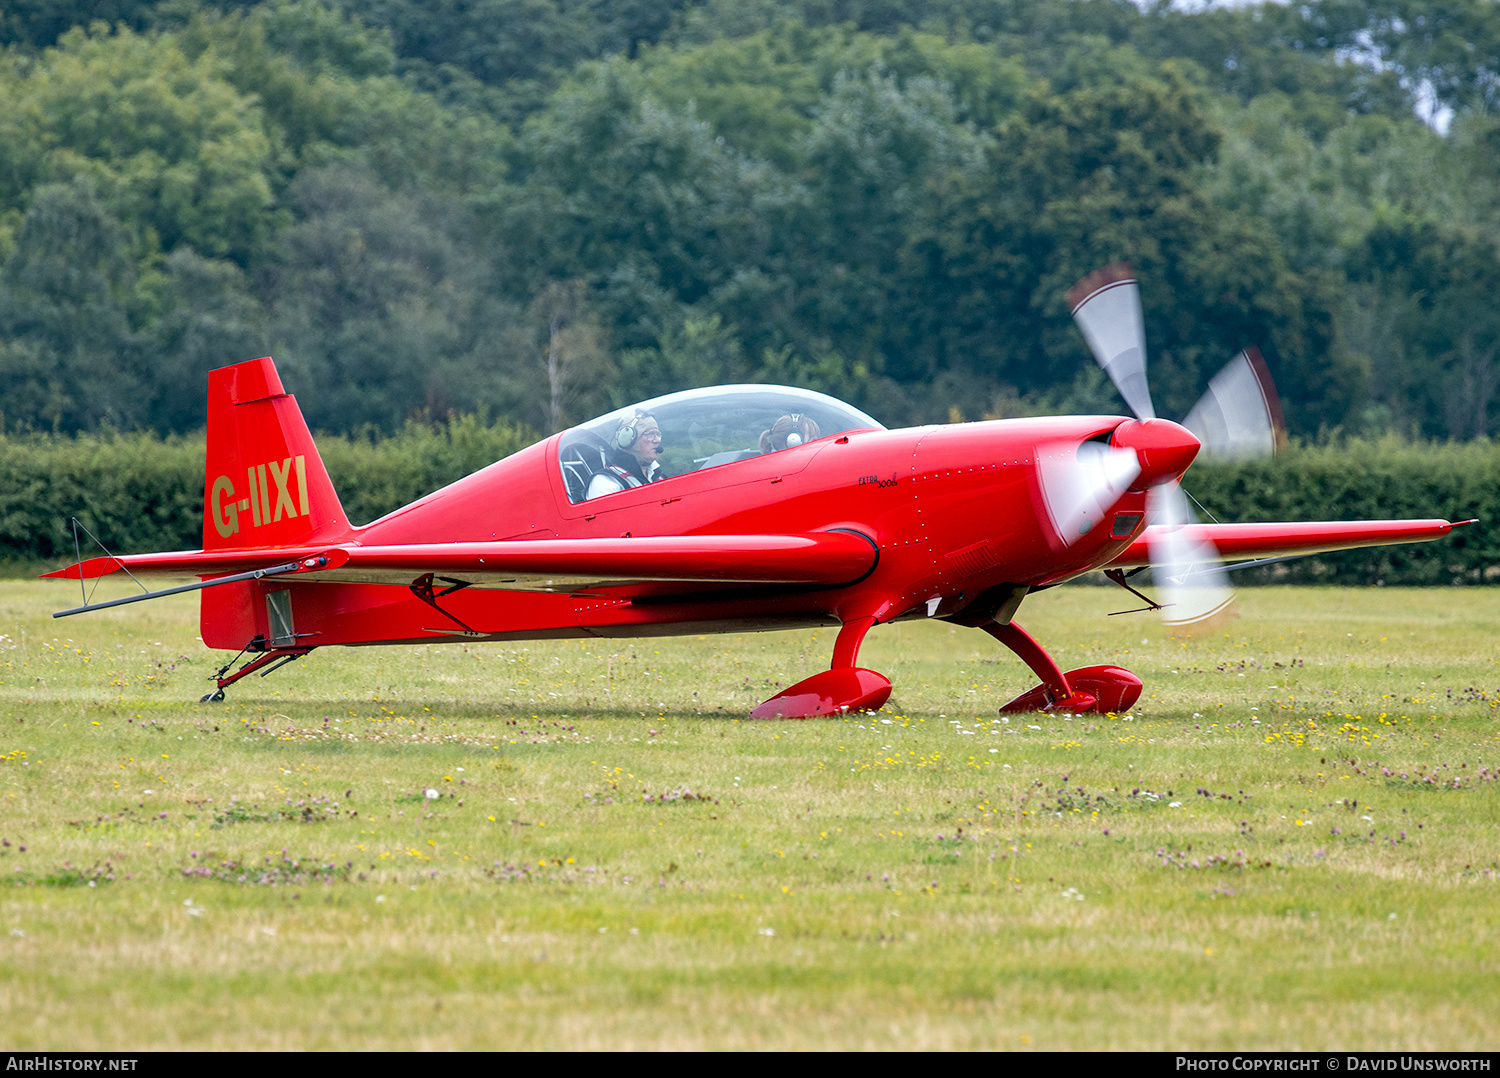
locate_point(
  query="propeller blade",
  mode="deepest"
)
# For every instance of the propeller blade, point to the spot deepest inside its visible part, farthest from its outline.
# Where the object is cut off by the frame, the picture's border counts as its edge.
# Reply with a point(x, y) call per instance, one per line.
point(1107, 307)
point(1239, 416)
point(1080, 483)
point(1194, 589)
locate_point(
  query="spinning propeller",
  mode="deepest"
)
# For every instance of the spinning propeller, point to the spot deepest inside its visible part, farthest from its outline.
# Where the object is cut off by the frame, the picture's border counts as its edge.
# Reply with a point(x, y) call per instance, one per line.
point(1239, 417)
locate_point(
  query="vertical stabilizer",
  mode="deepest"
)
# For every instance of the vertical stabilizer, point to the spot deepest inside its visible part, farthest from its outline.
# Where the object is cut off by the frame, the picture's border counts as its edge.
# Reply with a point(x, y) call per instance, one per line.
point(264, 484)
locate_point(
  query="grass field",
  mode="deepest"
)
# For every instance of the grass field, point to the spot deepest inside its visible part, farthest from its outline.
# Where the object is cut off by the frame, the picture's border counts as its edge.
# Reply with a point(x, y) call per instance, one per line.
point(1293, 841)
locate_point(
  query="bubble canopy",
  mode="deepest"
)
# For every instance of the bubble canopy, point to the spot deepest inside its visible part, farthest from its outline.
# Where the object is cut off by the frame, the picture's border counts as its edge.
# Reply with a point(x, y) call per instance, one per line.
point(703, 428)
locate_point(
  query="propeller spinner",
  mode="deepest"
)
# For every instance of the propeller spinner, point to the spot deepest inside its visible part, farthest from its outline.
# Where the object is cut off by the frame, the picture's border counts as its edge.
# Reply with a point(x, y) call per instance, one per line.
point(1239, 417)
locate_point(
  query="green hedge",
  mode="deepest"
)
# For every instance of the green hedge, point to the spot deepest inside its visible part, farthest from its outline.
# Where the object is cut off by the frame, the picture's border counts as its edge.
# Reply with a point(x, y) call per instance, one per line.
point(1359, 480)
point(138, 492)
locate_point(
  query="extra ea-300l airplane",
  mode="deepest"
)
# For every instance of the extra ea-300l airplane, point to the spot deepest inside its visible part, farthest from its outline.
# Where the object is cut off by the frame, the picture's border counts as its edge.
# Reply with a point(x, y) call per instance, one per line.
point(738, 508)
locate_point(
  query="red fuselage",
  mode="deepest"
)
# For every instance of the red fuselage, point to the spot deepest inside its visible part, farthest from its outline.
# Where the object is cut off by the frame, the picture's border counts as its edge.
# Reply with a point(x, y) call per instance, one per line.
point(951, 511)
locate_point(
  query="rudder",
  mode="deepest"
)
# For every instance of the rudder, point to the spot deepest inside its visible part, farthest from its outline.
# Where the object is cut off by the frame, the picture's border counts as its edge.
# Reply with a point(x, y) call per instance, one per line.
point(264, 483)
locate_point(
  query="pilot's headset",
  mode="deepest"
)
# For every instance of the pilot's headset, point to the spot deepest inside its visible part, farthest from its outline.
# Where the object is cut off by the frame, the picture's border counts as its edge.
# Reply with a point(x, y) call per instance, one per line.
point(788, 432)
point(630, 431)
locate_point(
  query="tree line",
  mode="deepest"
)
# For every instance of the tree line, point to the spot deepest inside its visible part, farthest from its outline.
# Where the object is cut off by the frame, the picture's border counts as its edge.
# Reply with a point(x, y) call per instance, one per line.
point(535, 210)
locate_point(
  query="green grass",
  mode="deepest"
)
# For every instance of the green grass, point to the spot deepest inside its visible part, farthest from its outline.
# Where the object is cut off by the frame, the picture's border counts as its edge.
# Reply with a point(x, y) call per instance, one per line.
point(188, 882)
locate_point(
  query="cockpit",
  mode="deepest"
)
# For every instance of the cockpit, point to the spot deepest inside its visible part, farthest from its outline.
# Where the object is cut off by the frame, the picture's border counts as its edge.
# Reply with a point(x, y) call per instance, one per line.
point(694, 430)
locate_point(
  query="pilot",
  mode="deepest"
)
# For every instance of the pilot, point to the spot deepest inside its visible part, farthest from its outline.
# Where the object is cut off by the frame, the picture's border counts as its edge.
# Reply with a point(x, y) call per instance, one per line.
point(788, 431)
point(632, 460)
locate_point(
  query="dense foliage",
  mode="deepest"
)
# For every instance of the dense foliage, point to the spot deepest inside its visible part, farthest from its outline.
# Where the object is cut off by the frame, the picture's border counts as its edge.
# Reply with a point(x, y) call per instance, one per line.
point(415, 205)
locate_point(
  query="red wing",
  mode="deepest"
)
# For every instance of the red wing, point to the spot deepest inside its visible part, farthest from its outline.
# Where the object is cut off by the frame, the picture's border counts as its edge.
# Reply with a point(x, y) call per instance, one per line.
point(816, 558)
point(1311, 537)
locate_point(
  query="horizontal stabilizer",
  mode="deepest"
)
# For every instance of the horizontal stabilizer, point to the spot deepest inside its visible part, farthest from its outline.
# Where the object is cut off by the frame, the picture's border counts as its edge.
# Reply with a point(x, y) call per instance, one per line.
point(317, 561)
point(183, 563)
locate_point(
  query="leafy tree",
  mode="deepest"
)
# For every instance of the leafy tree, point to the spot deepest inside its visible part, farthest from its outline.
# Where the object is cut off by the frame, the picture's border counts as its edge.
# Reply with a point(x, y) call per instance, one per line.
point(209, 317)
point(1427, 291)
point(1105, 174)
point(578, 367)
point(168, 145)
point(329, 93)
point(1450, 50)
point(39, 23)
point(642, 201)
point(69, 356)
point(883, 201)
point(377, 309)
point(1269, 49)
point(872, 162)
point(525, 46)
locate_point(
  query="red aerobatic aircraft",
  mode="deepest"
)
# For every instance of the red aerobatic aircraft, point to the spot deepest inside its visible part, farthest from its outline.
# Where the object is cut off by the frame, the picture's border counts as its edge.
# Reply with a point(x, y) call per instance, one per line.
point(739, 508)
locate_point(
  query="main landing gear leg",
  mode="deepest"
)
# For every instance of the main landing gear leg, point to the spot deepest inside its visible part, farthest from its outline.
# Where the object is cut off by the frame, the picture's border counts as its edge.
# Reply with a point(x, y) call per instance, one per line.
point(263, 664)
point(1089, 688)
point(843, 688)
